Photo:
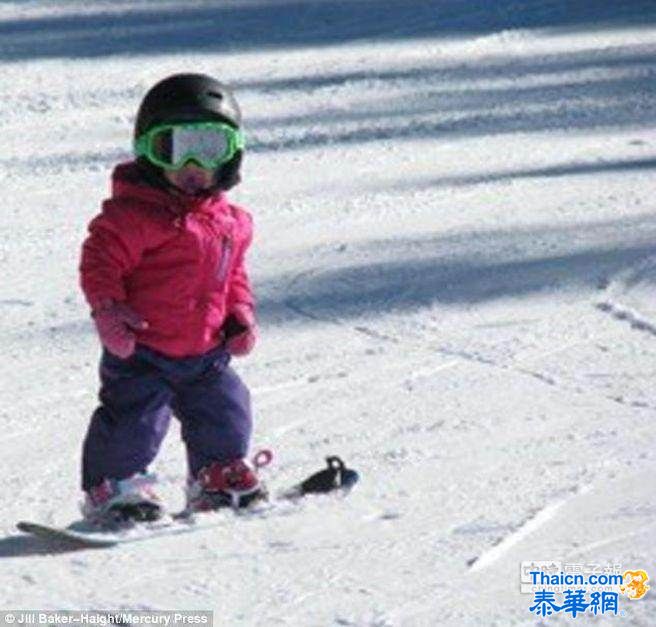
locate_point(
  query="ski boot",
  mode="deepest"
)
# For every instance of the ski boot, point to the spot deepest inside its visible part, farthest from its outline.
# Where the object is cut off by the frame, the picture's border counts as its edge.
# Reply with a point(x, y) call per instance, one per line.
point(123, 501)
point(233, 484)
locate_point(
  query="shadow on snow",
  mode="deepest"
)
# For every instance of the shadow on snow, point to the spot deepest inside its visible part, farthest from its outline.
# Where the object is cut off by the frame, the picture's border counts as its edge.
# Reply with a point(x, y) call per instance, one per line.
point(556, 171)
point(234, 25)
point(462, 269)
point(598, 89)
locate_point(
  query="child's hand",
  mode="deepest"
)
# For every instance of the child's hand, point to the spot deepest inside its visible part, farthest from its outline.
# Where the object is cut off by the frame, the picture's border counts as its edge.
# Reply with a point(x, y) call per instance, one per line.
point(115, 323)
point(240, 331)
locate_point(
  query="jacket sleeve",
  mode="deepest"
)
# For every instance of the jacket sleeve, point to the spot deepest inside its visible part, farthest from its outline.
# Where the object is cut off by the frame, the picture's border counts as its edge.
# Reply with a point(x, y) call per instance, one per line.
point(240, 291)
point(112, 249)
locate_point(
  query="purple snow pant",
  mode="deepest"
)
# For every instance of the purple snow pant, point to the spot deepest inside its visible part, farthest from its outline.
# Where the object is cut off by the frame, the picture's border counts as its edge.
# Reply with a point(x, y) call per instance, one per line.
point(137, 396)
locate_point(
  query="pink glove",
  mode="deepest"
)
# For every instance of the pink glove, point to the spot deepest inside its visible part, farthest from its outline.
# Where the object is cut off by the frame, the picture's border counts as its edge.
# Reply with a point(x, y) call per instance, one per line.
point(115, 323)
point(240, 330)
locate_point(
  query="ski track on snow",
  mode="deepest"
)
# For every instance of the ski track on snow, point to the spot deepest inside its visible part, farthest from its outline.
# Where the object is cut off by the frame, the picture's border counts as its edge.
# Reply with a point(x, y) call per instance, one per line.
point(528, 527)
point(621, 284)
point(617, 311)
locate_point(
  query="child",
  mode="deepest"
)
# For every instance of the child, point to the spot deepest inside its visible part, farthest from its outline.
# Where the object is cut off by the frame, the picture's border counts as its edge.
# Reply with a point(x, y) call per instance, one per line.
point(163, 271)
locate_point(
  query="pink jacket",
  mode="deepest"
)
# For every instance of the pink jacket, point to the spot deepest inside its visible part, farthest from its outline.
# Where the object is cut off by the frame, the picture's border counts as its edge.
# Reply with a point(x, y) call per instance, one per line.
point(177, 261)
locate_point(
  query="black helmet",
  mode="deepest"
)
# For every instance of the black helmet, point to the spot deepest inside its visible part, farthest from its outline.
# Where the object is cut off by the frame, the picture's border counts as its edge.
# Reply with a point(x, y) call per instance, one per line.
point(188, 98)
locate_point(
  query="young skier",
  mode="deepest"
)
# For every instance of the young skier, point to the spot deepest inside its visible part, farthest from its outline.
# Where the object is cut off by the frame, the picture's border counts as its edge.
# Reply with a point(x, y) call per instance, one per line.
point(164, 274)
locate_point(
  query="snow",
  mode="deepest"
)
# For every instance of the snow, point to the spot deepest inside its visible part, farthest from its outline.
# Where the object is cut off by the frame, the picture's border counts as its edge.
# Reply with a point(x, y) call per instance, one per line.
point(454, 261)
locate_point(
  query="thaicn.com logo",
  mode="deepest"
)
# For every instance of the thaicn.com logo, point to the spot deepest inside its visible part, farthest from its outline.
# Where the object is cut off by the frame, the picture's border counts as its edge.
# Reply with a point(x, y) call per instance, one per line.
point(577, 589)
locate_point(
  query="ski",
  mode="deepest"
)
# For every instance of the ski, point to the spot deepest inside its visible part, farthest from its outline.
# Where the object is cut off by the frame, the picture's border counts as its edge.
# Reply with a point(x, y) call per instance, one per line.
point(85, 534)
point(335, 478)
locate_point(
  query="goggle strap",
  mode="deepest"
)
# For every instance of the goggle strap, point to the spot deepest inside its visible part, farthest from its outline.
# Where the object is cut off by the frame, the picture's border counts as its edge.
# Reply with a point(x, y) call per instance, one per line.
point(240, 140)
point(141, 145)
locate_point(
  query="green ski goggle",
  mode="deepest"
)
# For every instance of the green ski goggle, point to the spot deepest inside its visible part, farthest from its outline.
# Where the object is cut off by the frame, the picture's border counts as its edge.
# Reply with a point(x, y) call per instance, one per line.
point(171, 146)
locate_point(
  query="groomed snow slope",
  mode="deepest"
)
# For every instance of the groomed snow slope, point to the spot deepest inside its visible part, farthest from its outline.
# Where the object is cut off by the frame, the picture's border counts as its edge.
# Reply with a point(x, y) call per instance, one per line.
point(455, 262)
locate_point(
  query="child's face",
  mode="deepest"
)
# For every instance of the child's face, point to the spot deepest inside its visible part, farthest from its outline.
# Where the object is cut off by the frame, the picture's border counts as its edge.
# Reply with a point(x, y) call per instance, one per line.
point(190, 178)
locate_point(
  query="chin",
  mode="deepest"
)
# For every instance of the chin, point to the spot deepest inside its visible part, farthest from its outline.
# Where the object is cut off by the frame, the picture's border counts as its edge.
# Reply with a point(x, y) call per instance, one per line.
point(193, 188)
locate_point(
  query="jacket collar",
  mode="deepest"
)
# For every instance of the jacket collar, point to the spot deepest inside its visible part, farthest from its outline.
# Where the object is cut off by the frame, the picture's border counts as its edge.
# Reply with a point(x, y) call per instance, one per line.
point(128, 182)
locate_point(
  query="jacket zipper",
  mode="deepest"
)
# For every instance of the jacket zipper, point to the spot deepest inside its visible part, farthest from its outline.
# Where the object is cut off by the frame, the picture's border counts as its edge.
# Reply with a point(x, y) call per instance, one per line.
point(226, 251)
